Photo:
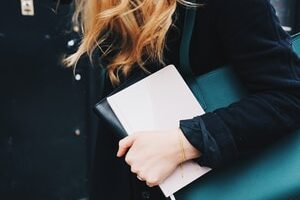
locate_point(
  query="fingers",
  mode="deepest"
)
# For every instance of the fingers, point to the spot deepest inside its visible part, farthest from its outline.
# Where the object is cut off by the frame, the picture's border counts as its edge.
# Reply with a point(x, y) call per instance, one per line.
point(145, 172)
point(125, 144)
point(152, 181)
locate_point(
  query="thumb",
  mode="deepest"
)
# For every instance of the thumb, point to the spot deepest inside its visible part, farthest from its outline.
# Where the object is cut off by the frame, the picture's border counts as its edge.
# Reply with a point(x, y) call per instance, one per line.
point(125, 144)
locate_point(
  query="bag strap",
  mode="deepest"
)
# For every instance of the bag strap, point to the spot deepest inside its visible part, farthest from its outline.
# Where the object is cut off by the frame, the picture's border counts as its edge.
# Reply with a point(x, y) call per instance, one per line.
point(187, 32)
point(184, 60)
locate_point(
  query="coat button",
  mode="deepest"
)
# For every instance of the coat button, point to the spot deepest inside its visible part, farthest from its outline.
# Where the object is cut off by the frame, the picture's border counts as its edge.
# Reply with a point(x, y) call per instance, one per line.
point(77, 77)
point(146, 195)
point(71, 43)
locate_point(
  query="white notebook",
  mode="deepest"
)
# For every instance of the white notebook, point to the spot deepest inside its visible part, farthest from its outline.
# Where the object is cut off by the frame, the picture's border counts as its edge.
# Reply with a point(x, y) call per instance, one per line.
point(159, 102)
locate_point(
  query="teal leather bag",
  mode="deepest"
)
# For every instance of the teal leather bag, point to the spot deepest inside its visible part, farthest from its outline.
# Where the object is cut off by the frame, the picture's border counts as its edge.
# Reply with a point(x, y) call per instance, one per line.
point(272, 174)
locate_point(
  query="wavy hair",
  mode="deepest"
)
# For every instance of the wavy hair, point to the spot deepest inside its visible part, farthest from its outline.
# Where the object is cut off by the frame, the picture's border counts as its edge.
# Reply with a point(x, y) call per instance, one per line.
point(129, 31)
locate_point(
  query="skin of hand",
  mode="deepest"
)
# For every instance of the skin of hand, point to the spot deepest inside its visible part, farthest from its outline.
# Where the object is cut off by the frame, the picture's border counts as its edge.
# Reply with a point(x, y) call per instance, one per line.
point(153, 156)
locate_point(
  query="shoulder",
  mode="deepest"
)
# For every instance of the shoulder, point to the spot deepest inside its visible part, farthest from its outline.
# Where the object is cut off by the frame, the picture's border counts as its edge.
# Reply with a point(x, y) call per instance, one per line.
point(235, 2)
point(237, 9)
point(241, 13)
point(238, 6)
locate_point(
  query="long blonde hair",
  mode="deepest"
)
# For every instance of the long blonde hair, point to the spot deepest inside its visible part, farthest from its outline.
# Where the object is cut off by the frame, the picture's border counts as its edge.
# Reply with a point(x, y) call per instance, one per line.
point(133, 31)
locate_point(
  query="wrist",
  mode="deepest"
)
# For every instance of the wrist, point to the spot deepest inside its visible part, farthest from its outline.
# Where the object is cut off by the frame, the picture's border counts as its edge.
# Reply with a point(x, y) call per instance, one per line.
point(189, 151)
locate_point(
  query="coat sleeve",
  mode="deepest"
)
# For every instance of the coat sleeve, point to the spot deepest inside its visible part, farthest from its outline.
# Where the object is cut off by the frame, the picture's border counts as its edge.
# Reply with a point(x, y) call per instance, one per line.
point(261, 54)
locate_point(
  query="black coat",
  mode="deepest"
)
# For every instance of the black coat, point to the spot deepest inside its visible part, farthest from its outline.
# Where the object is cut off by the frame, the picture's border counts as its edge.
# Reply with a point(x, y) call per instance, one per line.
point(247, 35)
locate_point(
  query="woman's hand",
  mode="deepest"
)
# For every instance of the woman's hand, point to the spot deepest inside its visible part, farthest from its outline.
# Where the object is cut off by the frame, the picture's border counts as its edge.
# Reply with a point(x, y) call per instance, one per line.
point(153, 156)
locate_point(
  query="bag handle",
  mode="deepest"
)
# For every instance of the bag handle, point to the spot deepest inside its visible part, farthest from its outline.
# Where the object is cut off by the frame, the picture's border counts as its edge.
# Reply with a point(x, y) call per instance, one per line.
point(187, 32)
point(184, 60)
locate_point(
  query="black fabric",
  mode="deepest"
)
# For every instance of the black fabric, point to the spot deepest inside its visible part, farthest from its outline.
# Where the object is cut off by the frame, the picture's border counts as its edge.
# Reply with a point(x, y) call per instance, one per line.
point(43, 107)
point(202, 140)
point(250, 37)
point(246, 34)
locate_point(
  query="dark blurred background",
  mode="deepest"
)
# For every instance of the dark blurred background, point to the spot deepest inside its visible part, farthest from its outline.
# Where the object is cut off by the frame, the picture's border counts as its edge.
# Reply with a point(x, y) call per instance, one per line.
point(47, 126)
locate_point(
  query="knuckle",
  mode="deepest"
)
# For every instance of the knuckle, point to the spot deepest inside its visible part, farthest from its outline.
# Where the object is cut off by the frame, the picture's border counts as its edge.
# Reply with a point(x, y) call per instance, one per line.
point(121, 143)
point(134, 169)
point(127, 159)
point(152, 181)
point(150, 184)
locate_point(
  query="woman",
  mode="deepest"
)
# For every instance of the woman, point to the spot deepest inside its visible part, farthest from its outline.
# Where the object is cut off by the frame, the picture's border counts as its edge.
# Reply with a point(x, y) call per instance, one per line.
point(136, 34)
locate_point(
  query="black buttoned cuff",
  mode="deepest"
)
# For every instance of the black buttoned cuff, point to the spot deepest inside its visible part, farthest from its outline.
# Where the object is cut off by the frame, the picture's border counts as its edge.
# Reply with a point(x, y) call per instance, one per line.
point(208, 134)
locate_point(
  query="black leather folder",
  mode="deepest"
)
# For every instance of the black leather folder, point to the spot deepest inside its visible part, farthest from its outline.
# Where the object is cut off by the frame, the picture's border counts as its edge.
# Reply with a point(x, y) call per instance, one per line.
point(104, 111)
